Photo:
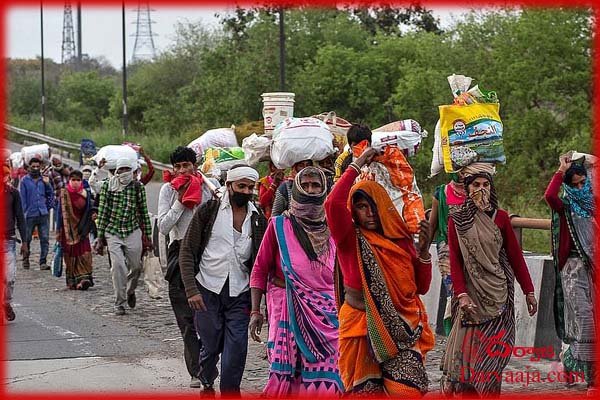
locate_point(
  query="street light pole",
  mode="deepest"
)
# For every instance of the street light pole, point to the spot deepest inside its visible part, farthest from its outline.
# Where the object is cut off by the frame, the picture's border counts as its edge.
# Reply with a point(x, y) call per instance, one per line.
point(124, 75)
point(281, 51)
point(43, 78)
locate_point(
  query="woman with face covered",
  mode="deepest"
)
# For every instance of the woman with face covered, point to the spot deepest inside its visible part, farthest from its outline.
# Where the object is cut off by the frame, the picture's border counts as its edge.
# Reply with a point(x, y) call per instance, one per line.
point(573, 225)
point(384, 333)
point(74, 223)
point(294, 267)
point(485, 258)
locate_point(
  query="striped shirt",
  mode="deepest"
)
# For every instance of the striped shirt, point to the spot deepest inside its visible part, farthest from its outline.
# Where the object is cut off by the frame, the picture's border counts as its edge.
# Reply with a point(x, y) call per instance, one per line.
point(121, 213)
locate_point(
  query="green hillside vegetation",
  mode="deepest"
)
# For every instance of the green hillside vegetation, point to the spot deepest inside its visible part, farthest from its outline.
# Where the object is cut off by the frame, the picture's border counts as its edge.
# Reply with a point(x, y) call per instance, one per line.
point(372, 66)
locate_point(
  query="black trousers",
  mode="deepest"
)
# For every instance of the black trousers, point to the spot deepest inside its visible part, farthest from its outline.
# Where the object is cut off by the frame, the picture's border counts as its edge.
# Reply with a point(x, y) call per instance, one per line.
point(223, 328)
point(185, 318)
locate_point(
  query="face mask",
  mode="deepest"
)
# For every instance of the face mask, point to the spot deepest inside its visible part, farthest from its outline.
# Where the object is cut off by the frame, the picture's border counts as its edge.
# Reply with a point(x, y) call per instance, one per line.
point(240, 199)
point(125, 178)
point(481, 198)
point(75, 184)
point(34, 173)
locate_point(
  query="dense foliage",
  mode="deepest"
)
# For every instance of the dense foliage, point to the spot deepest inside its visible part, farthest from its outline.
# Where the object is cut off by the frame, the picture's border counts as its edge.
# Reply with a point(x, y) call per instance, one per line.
point(372, 66)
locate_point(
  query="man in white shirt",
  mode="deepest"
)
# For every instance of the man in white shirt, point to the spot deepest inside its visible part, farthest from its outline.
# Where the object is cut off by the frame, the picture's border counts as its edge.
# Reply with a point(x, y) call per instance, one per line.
point(173, 220)
point(215, 259)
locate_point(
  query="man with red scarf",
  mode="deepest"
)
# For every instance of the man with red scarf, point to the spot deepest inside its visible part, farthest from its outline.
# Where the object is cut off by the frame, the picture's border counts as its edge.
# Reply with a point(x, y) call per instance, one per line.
point(184, 191)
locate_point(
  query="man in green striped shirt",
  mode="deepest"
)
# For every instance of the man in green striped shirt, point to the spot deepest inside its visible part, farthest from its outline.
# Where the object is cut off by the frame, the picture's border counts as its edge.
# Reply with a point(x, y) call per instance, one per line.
point(122, 222)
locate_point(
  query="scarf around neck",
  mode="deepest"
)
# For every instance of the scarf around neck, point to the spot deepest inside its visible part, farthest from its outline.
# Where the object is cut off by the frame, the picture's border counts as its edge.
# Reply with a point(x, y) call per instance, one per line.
point(581, 200)
point(307, 216)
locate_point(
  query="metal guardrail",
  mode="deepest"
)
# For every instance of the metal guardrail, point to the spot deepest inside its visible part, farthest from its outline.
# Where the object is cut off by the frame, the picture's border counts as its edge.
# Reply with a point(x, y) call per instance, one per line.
point(64, 144)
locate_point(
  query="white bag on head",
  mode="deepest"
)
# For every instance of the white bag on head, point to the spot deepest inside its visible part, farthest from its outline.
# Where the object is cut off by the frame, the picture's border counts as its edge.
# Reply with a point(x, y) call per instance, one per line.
point(220, 137)
point(41, 151)
point(256, 148)
point(298, 139)
point(112, 153)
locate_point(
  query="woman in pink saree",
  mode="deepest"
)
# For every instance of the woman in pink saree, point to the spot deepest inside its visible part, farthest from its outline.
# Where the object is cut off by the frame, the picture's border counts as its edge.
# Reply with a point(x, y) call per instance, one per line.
point(295, 268)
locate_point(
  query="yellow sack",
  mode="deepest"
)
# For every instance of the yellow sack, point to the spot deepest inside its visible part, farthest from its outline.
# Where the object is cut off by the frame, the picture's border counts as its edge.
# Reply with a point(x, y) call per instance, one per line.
point(471, 133)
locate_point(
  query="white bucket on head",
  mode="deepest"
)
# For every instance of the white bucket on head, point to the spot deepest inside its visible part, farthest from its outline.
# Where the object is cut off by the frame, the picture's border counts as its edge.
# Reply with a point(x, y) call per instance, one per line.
point(277, 106)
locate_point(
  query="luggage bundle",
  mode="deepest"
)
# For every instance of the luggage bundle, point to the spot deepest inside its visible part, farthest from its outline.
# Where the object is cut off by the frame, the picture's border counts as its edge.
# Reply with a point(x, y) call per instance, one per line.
point(470, 130)
point(298, 139)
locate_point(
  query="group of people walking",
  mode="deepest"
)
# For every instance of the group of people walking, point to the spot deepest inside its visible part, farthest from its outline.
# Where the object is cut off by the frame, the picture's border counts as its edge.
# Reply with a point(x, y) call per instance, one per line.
point(341, 276)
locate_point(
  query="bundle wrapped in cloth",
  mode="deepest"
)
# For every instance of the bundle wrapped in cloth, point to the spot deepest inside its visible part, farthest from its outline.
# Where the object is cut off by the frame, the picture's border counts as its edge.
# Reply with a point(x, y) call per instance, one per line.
point(406, 135)
point(256, 148)
point(112, 153)
point(220, 137)
point(298, 139)
point(469, 130)
point(391, 170)
point(39, 151)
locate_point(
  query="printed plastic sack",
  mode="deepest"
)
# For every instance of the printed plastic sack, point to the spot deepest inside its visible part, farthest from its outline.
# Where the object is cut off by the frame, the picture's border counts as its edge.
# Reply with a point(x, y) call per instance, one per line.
point(298, 139)
point(256, 148)
point(217, 160)
point(394, 173)
point(406, 135)
point(338, 127)
point(221, 137)
point(112, 153)
point(471, 129)
point(41, 151)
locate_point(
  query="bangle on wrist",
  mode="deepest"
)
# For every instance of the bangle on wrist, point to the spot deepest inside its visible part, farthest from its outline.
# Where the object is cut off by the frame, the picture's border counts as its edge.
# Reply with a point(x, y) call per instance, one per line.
point(461, 295)
point(530, 294)
point(255, 313)
point(355, 167)
point(425, 260)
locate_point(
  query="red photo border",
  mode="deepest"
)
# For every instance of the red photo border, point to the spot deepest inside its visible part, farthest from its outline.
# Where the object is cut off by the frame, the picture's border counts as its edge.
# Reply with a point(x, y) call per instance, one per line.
point(7, 5)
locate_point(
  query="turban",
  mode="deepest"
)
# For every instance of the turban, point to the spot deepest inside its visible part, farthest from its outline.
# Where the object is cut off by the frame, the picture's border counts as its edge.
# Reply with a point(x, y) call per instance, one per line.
point(236, 174)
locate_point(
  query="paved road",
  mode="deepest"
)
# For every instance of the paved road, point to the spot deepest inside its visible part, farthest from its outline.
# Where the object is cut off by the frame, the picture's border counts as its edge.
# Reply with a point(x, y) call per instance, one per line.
point(61, 333)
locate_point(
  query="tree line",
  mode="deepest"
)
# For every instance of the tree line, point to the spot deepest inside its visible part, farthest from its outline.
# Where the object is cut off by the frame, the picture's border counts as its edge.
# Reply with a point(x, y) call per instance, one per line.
point(370, 65)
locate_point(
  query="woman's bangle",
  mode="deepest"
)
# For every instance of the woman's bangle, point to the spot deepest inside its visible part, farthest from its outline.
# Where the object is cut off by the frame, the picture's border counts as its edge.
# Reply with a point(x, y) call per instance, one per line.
point(425, 260)
point(461, 295)
point(252, 313)
point(530, 294)
point(354, 166)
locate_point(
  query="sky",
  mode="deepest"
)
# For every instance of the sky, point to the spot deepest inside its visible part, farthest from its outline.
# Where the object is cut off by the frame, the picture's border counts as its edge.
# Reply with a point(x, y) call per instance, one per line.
point(101, 28)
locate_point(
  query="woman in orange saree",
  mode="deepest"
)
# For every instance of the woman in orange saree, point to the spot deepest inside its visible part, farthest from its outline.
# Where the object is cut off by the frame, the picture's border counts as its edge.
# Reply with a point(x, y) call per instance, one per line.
point(384, 331)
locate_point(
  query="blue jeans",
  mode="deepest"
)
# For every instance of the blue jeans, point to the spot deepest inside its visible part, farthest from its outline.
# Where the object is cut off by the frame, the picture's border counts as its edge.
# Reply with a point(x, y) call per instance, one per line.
point(43, 226)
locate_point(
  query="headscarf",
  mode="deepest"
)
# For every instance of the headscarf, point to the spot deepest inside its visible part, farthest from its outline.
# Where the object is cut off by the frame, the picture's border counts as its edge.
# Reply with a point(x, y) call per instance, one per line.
point(392, 225)
point(118, 182)
point(236, 174)
point(581, 200)
point(464, 216)
point(307, 215)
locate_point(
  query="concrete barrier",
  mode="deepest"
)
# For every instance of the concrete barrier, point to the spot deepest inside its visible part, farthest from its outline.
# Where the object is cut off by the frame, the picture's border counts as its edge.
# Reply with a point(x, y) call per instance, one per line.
point(537, 331)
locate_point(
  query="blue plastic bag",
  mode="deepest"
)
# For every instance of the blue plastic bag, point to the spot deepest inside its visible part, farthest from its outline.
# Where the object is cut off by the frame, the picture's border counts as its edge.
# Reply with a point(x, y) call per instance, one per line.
point(57, 261)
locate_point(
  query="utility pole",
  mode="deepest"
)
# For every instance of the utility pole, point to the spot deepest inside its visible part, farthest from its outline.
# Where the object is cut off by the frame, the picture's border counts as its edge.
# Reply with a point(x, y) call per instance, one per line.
point(281, 51)
point(124, 75)
point(43, 87)
point(79, 48)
